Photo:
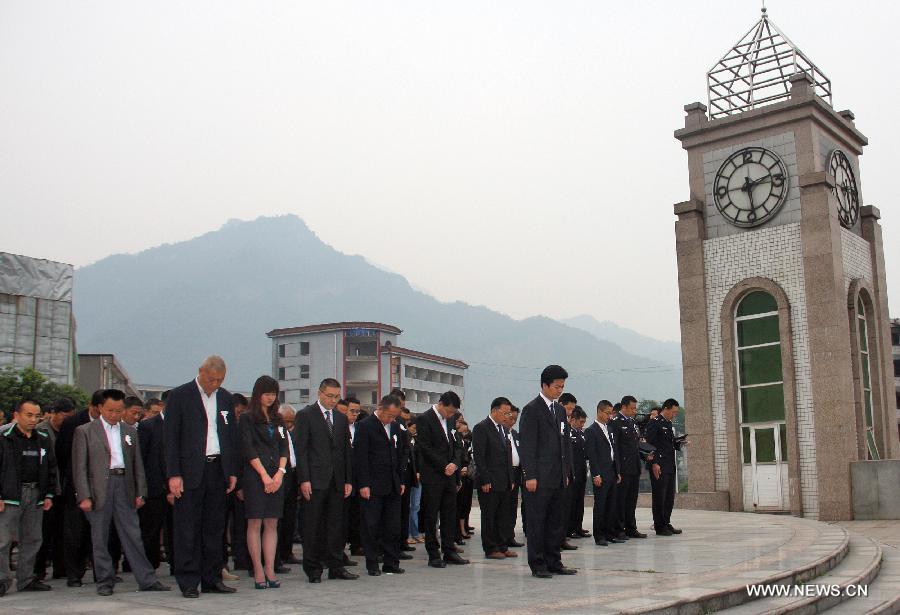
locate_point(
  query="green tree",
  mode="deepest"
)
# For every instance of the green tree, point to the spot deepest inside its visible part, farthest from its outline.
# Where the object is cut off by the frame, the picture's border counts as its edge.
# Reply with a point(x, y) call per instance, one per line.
point(31, 384)
point(644, 405)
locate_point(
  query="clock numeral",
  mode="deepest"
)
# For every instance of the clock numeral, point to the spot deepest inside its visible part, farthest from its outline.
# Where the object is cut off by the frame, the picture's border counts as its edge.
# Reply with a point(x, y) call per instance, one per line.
point(748, 156)
point(722, 191)
point(751, 216)
point(778, 180)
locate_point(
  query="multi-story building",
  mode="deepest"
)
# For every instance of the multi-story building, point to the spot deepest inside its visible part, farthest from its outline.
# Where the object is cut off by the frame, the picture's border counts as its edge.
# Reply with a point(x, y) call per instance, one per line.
point(103, 371)
point(365, 358)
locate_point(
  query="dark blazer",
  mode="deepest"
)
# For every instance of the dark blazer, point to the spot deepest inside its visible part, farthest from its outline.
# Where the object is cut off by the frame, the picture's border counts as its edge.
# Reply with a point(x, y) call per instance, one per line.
point(597, 449)
point(661, 434)
point(151, 433)
point(579, 456)
point(185, 434)
point(322, 459)
point(11, 466)
point(544, 444)
point(378, 461)
point(493, 462)
point(90, 463)
point(64, 444)
point(256, 443)
point(628, 439)
point(435, 449)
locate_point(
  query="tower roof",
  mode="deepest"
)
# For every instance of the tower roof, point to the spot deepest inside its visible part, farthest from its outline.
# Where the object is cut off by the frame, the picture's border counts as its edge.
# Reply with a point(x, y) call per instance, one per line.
point(757, 71)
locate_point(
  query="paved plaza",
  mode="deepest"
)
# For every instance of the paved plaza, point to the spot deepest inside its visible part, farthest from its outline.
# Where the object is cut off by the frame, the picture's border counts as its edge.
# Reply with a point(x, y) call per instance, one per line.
point(706, 566)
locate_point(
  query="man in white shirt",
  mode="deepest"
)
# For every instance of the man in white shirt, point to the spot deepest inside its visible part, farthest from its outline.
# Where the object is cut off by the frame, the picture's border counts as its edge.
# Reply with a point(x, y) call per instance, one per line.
point(604, 469)
point(288, 522)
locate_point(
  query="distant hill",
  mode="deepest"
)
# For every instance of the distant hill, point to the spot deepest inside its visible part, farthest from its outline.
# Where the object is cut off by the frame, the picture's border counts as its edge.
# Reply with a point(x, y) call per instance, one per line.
point(162, 310)
point(632, 341)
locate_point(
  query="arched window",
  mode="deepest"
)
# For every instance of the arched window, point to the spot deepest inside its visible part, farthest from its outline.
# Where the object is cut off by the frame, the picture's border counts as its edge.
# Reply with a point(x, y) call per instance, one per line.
point(866, 374)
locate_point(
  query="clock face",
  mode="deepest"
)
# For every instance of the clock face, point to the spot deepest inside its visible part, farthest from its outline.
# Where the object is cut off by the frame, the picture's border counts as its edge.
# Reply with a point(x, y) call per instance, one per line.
point(844, 188)
point(750, 186)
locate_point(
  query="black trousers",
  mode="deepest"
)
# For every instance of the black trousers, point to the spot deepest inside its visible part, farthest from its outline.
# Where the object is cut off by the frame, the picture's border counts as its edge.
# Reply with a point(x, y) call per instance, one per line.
point(404, 515)
point(627, 496)
point(77, 544)
point(464, 505)
point(439, 500)
point(199, 528)
point(353, 521)
point(663, 499)
point(546, 530)
point(576, 506)
point(236, 536)
point(381, 529)
point(512, 514)
point(495, 518)
point(605, 508)
point(565, 506)
point(52, 550)
point(287, 525)
point(323, 531)
point(156, 519)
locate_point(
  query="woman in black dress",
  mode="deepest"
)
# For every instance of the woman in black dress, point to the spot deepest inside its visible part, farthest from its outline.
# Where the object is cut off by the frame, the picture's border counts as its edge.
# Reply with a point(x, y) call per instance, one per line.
point(264, 448)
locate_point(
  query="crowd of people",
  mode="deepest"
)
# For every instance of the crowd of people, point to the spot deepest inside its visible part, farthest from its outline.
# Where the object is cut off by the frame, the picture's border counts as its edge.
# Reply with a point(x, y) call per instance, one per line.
point(202, 478)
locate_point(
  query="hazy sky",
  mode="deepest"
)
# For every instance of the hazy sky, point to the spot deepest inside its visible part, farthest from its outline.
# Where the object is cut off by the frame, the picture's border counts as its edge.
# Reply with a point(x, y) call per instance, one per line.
point(515, 154)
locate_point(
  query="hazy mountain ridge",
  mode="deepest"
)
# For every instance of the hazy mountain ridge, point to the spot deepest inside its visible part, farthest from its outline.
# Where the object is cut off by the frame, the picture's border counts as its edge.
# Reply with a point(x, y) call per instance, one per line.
point(162, 310)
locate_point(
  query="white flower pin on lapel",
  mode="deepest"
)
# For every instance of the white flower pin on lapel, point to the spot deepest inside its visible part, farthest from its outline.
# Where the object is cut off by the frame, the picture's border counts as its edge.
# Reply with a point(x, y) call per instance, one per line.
point(281, 430)
point(128, 439)
point(224, 414)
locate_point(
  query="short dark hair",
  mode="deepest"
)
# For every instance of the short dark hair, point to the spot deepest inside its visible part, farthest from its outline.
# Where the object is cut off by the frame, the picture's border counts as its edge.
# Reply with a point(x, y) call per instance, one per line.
point(113, 394)
point(132, 401)
point(604, 403)
point(450, 398)
point(553, 372)
point(63, 404)
point(343, 402)
point(329, 383)
point(22, 402)
point(628, 400)
point(578, 413)
point(411, 421)
point(670, 403)
point(500, 401)
point(153, 401)
point(617, 407)
point(352, 400)
point(566, 398)
point(398, 392)
point(97, 398)
point(390, 400)
point(164, 395)
point(239, 399)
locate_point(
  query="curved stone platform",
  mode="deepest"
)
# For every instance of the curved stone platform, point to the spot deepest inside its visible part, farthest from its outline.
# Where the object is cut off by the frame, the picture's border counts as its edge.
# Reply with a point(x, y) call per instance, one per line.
point(705, 569)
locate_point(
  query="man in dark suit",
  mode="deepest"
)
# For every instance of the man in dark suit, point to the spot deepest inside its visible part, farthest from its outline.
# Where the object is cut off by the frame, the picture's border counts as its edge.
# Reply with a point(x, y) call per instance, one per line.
point(379, 462)
point(568, 403)
point(604, 466)
point(350, 408)
point(628, 439)
point(546, 466)
point(201, 466)
point(661, 434)
point(288, 522)
point(406, 447)
point(579, 475)
point(440, 460)
point(77, 532)
point(108, 472)
point(513, 509)
point(156, 514)
point(323, 469)
point(494, 479)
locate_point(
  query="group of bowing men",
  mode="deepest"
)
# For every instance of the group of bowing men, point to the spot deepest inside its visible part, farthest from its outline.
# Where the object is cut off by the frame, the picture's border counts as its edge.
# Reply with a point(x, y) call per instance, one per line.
point(192, 459)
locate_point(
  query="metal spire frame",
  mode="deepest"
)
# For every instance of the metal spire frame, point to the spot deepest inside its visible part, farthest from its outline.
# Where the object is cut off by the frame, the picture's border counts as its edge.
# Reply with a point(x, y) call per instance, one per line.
point(757, 71)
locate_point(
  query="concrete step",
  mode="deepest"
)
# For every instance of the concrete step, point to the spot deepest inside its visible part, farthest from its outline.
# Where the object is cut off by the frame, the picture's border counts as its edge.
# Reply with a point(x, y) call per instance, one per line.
point(884, 591)
point(858, 568)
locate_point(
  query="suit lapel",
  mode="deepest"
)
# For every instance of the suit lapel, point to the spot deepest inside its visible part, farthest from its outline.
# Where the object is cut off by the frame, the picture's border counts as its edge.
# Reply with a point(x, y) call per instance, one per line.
point(101, 431)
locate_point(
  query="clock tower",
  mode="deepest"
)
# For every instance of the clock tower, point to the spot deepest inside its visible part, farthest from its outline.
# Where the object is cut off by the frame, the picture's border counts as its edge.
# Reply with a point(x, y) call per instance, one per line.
point(785, 330)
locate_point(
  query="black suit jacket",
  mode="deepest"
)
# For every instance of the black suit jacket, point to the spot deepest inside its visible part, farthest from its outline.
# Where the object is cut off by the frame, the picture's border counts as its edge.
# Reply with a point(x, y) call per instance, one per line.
point(597, 449)
point(435, 449)
point(579, 456)
point(544, 444)
point(628, 440)
point(661, 434)
point(185, 434)
point(256, 443)
point(64, 445)
point(493, 462)
point(378, 460)
point(323, 459)
point(151, 434)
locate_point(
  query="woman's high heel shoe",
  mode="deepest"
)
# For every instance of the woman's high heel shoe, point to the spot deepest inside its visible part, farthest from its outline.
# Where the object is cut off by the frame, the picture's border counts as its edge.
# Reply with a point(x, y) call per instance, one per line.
point(272, 584)
point(262, 585)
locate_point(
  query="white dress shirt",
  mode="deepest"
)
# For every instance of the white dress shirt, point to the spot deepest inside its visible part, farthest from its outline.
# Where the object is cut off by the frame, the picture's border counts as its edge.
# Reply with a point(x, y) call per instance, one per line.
point(442, 421)
point(212, 429)
point(290, 440)
point(114, 439)
point(325, 412)
point(515, 450)
point(352, 433)
point(612, 451)
point(387, 430)
point(548, 402)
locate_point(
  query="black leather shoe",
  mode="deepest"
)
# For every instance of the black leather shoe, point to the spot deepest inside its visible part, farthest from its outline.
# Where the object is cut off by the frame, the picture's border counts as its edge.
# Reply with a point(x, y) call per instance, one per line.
point(36, 586)
point(104, 590)
point(282, 570)
point(616, 541)
point(316, 579)
point(219, 588)
point(541, 574)
point(574, 534)
point(392, 570)
point(563, 570)
point(622, 536)
point(454, 558)
point(404, 556)
point(437, 563)
point(407, 548)
point(663, 532)
point(601, 543)
point(117, 579)
point(516, 543)
point(340, 573)
point(568, 546)
point(74, 583)
point(156, 587)
point(635, 534)
point(673, 530)
point(374, 573)
point(190, 593)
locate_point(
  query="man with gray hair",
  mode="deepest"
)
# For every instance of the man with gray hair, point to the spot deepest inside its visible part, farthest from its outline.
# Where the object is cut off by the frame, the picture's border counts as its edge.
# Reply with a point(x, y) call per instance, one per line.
point(288, 522)
point(201, 467)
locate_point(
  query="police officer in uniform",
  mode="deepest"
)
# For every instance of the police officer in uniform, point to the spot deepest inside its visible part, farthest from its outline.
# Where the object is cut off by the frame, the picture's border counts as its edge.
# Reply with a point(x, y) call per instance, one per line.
point(661, 434)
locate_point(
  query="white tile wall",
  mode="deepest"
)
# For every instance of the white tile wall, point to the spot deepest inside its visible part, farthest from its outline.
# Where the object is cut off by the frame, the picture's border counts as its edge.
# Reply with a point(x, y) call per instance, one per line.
point(857, 258)
point(772, 252)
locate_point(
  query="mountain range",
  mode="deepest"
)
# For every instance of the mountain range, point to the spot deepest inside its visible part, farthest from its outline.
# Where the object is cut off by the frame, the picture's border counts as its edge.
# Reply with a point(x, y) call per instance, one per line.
point(162, 310)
